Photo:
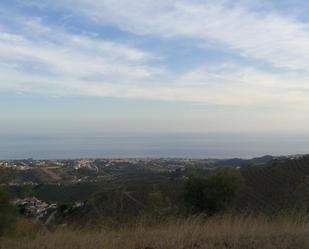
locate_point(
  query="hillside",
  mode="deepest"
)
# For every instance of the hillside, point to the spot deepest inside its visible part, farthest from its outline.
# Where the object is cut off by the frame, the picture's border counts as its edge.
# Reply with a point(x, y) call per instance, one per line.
point(118, 209)
point(278, 185)
point(122, 188)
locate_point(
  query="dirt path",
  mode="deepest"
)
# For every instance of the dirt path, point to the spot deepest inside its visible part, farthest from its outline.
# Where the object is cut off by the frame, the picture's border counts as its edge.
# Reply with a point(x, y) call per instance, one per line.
point(51, 174)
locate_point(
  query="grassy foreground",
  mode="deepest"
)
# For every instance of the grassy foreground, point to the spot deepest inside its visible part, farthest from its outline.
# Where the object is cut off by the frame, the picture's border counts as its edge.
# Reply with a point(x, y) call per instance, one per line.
point(191, 233)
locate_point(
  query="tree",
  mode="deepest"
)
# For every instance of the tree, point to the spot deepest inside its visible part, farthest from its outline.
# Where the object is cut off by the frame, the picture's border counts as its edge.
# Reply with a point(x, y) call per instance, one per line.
point(213, 193)
point(6, 175)
point(158, 205)
point(8, 214)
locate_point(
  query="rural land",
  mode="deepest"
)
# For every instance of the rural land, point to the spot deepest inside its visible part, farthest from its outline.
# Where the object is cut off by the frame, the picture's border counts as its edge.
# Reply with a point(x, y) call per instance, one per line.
point(155, 203)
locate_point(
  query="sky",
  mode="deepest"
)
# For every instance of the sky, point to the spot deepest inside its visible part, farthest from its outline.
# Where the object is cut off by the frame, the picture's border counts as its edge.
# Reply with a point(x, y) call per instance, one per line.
point(75, 66)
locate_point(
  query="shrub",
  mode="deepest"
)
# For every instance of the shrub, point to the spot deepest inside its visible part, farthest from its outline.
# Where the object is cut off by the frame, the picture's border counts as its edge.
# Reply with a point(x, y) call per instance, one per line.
point(8, 214)
point(213, 193)
point(25, 227)
point(158, 205)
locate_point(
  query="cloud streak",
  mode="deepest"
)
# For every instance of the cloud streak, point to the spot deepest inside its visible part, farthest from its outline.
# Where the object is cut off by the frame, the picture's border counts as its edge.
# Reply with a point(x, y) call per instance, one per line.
point(268, 36)
point(44, 59)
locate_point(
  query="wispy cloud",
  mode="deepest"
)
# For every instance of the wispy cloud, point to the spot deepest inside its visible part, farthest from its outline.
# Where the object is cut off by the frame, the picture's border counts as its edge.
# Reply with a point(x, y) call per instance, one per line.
point(42, 58)
point(267, 36)
point(42, 52)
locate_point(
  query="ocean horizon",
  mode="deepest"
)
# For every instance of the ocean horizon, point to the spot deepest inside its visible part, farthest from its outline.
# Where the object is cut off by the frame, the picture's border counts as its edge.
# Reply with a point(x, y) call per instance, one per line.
point(150, 145)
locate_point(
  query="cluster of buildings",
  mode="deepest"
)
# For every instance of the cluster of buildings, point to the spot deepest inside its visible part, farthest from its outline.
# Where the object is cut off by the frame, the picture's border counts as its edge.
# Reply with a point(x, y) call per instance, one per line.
point(6, 165)
point(87, 164)
point(30, 163)
point(33, 207)
point(20, 165)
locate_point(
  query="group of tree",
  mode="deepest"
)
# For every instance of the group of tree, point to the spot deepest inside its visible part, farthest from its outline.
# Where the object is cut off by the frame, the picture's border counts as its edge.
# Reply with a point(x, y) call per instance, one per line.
point(211, 193)
point(8, 213)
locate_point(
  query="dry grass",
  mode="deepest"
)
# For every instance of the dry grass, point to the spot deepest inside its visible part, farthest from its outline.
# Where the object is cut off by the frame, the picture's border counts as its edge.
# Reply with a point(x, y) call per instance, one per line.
point(226, 232)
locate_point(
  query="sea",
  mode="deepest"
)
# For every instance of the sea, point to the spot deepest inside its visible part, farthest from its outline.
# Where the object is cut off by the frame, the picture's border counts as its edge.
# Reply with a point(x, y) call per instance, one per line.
point(151, 145)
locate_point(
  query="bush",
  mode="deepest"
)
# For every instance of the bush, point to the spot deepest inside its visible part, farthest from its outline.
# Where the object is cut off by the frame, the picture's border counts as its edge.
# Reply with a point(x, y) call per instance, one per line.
point(213, 193)
point(8, 214)
point(7, 175)
point(25, 227)
point(158, 205)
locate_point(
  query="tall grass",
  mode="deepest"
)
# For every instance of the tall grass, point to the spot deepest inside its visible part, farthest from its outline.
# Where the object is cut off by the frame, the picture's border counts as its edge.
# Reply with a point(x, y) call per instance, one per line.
point(224, 232)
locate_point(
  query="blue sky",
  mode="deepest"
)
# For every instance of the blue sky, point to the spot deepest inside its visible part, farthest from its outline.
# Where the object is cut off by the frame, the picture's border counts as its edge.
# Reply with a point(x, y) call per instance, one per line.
point(154, 66)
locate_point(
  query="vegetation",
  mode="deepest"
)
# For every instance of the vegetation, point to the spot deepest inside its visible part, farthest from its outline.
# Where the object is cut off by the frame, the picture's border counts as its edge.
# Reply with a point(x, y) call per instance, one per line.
point(213, 193)
point(6, 175)
point(158, 205)
point(138, 208)
point(217, 232)
point(275, 187)
point(8, 214)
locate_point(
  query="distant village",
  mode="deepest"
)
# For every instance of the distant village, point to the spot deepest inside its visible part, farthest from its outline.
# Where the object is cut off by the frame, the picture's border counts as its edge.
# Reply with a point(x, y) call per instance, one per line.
point(91, 163)
point(94, 164)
